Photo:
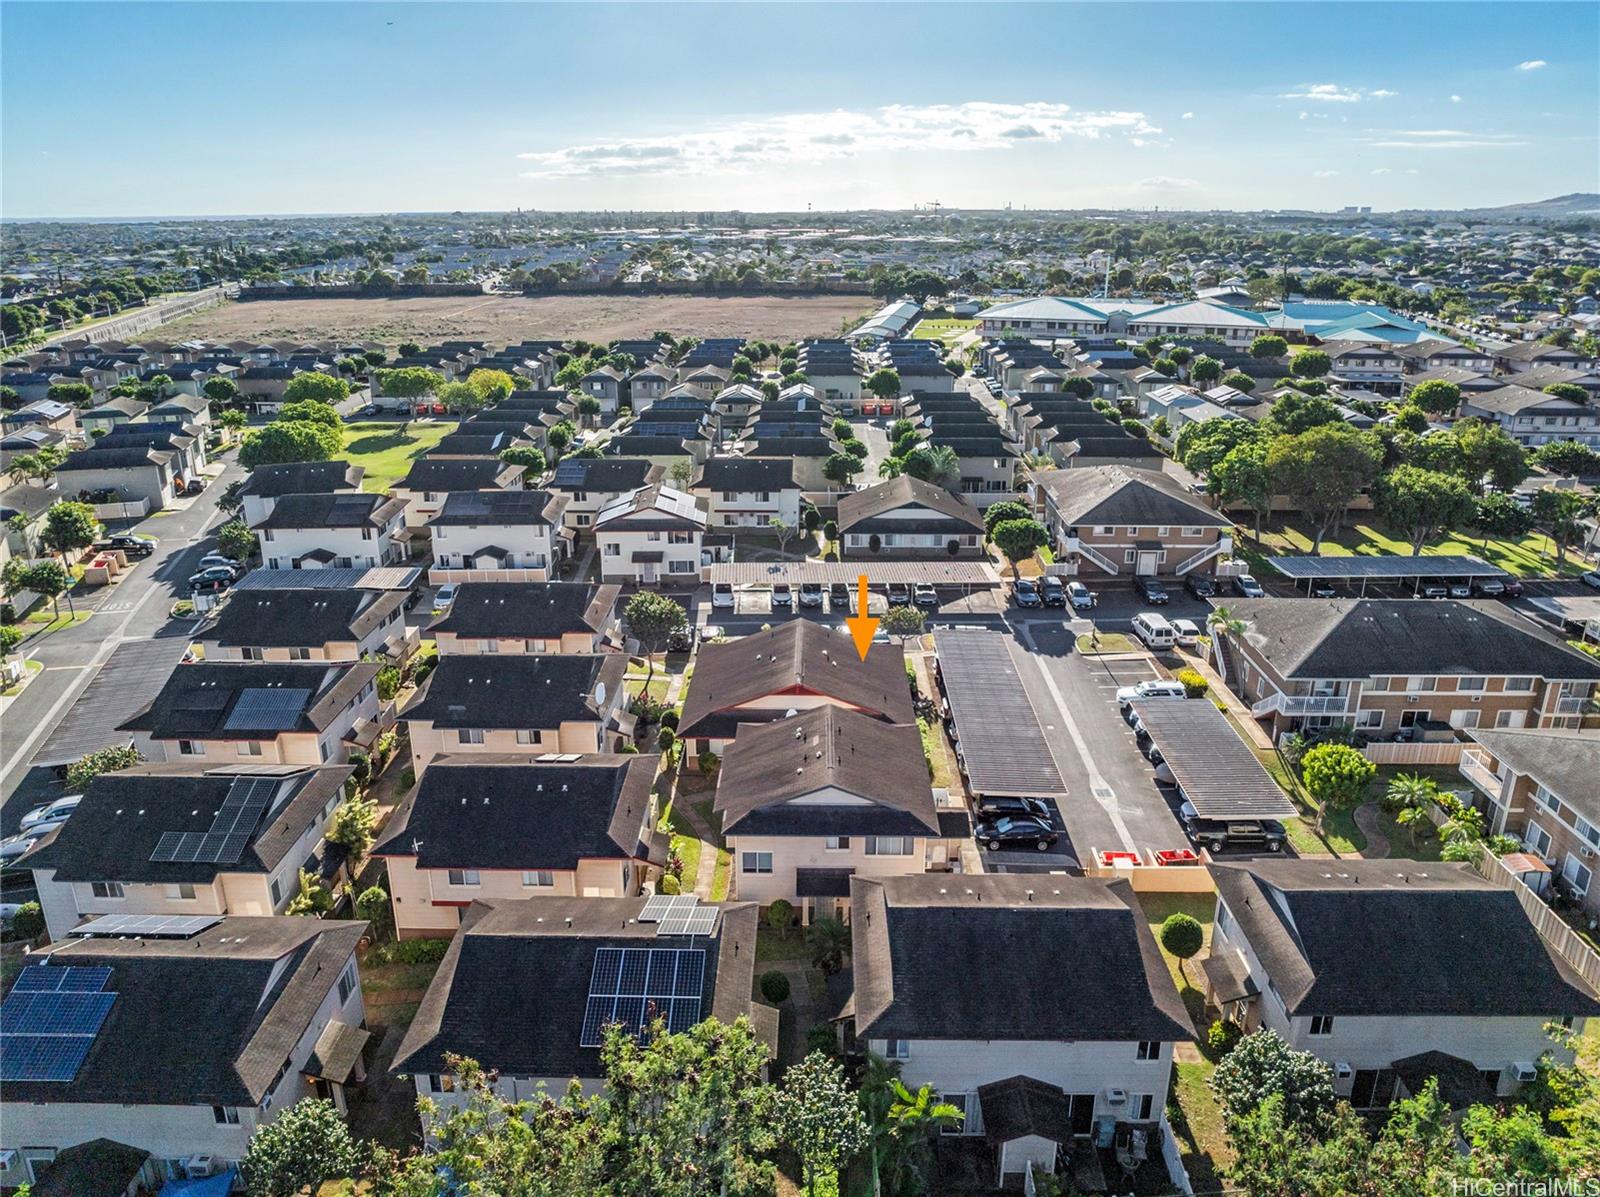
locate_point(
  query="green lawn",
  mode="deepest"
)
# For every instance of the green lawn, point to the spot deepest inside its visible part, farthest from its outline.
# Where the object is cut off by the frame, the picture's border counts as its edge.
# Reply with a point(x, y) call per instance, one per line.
point(30, 668)
point(1530, 557)
point(1197, 1122)
point(42, 623)
point(685, 845)
point(387, 450)
point(789, 944)
point(942, 330)
point(1107, 642)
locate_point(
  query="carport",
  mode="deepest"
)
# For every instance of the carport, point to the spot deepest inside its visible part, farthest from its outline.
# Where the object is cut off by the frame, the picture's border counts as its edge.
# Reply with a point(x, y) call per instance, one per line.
point(1215, 769)
point(1002, 745)
point(1578, 615)
point(1350, 570)
point(966, 574)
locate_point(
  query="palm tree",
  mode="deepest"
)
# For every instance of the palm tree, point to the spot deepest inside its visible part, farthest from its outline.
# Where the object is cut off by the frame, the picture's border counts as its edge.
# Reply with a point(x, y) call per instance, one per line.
point(899, 1122)
point(944, 467)
point(889, 467)
point(1411, 796)
point(1465, 825)
point(1226, 622)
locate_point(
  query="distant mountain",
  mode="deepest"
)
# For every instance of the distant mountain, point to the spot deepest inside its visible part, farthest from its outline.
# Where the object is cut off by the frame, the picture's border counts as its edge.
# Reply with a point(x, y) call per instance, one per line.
point(1579, 203)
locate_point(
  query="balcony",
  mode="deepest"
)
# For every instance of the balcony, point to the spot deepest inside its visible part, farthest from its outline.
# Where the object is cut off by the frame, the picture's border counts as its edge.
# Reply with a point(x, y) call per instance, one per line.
point(1475, 768)
point(1576, 705)
point(1296, 705)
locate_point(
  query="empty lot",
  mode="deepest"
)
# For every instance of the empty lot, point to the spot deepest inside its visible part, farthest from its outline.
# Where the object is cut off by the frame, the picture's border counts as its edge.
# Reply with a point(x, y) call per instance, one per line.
point(504, 319)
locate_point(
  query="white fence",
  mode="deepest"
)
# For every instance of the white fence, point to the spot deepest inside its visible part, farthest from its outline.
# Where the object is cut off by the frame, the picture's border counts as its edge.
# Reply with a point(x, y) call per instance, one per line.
point(1567, 942)
point(136, 510)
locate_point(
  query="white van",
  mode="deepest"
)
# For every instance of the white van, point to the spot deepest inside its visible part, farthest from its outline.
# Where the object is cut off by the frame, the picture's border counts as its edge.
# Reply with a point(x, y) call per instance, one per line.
point(1154, 630)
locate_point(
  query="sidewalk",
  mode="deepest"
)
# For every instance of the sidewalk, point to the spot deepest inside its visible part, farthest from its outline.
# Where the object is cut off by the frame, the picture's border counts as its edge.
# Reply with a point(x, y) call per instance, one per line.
point(706, 870)
point(1236, 705)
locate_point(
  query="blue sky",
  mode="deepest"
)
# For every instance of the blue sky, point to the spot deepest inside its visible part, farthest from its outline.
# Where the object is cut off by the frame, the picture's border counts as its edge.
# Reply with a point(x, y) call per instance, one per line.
point(152, 109)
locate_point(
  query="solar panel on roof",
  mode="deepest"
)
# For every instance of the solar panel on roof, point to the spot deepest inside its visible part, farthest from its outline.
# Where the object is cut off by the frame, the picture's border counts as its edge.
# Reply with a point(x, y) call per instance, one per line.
point(49, 978)
point(42, 1057)
point(267, 708)
point(248, 798)
point(49, 1020)
point(701, 920)
point(634, 986)
point(146, 926)
point(658, 906)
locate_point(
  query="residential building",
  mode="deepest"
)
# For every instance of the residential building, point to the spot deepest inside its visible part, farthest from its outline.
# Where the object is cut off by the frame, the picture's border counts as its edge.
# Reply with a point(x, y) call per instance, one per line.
point(146, 841)
point(308, 625)
point(267, 484)
point(590, 483)
point(747, 492)
point(529, 617)
point(498, 535)
point(1388, 665)
point(1521, 356)
point(907, 518)
point(519, 705)
point(534, 1039)
point(1542, 785)
point(494, 828)
point(261, 713)
point(808, 802)
point(1060, 318)
point(1062, 994)
point(339, 530)
point(1534, 418)
point(648, 384)
point(261, 1011)
point(131, 475)
point(431, 480)
point(606, 384)
point(1344, 962)
point(1371, 365)
point(788, 669)
point(651, 535)
point(1110, 520)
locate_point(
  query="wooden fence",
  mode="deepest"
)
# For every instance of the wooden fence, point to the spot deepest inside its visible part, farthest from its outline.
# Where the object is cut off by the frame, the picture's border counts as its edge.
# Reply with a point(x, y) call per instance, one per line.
point(1442, 752)
point(1567, 942)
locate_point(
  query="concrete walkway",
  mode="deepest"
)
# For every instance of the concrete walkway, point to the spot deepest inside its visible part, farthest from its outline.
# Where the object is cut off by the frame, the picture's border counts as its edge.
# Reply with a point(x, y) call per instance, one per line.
point(1366, 818)
point(1236, 705)
point(706, 869)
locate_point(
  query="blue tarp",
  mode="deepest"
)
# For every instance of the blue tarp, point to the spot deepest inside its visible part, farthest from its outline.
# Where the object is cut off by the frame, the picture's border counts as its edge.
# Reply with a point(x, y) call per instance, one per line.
point(210, 1186)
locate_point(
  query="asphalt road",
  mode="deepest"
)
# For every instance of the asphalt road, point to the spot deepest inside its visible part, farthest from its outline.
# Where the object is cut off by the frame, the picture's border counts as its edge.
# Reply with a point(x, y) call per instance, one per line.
point(133, 611)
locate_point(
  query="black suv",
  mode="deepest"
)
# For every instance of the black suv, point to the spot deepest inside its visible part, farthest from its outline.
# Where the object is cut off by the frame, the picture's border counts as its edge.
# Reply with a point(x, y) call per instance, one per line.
point(1215, 835)
point(839, 596)
point(1053, 590)
point(993, 808)
point(131, 545)
point(1200, 585)
point(1151, 590)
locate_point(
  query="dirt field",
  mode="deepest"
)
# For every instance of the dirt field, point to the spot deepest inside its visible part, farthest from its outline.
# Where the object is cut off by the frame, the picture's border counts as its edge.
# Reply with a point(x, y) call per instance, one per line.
point(508, 319)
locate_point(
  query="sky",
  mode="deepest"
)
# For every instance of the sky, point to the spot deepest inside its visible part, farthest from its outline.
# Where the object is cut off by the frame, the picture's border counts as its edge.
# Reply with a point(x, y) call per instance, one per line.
point(133, 109)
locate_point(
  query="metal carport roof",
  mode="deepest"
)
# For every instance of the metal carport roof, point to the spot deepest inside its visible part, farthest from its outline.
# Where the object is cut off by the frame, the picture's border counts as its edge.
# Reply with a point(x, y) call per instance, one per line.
point(1002, 744)
point(383, 577)
point(1215, 769)
point(1378, 568)
point(939, 573)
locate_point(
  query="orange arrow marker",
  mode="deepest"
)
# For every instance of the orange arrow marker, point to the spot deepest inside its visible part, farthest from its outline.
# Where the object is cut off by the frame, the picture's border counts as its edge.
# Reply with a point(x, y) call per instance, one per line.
point(862, 626)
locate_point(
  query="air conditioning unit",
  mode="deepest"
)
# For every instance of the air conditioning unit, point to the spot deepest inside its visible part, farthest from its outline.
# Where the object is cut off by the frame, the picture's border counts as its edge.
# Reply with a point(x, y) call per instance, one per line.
point(1343, 1071)
point(1411, 698)
point(1477, 698)
point(198, 1166)
point(1586, 853)
point(1116, 1097)
point(1523, 1072)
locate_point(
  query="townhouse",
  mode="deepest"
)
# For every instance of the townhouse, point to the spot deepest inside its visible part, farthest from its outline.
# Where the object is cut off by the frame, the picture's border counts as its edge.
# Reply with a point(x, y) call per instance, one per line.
point(1533, 418)
point(519, 705)
point(1522, 356)
point(259, 712)
point(747, 492)
point(590, 483)
point(134, 475)
point(908, 518)
point(269, 483)
point(528, 617)
point(1370, 365)
point(1345, 962)
point(789, 668)
point(308, 625)
point(606, 384)
point(262, 1012)
point(810, 801)
point(1065, 1032)
point(338, 530)
point(648, 384)
point(1392, 665)
point(493, 828)
point(1110, 520)
point(651, 535)
point(148, 841)
point(431, 480)
point(534, 1039)
point(1542, 785)
point(497, 535)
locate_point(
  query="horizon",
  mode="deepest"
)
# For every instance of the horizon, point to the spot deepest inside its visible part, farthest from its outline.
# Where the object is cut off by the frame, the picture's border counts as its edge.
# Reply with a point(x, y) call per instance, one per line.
point(345, 109)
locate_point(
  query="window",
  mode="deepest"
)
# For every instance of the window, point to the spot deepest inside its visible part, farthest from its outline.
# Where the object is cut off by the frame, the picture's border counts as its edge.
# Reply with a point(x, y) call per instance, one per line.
point(277, 892)
point(441, 1084)
point(612, 550)
point(181, 892)
point(463, 876)
point(107, 889)
point(1370, 720)
point(836, 843)
point(680, 567)
point(1321, 1024)
point(1127, 556)
point(252, 654)
point(191, 748)
point(1521, 685)
point(1578, 875)
point(299, 654)
point(538, 878)
point(225, 1115)
point(469, 735)
point(1163, 530)
point(756, 862)
point(1422, 683)
point(1139, 1106)
point(347, 982)
point(1537, 840)
point(1103, 530)
point(249, 747)
point(526, 735)
point(897, 1049)
point(1149, 1049)
point(959, 1100)
point(1193, 531)
point(1469, 683)
point(491, 646)
point(889, 845)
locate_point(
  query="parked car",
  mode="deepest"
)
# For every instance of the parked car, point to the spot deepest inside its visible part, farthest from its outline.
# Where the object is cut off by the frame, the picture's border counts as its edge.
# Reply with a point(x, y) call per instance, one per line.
point(1323, 590)
point(1432, 588)
point(1151, 590)
point(722, 594)
point(1154, 688)
point(782, 596)
point(1592, 579)
point(811, 594)
point(442, 599)
point(1457, 587)
point(1247, 587)
point(1081, 597)
point(220, 561)
point(133, 546)
point(1513, 587)
point(681, 640)
point(52, 814)
point(1488, 587)
point(14, 847)
point(1200, 585)
point(1187, 630)
point(196, 486)
point(899, 594)
point(1219, 834)
point(995, 834)
point(1033, 808)
point(371, 409)
point(1026, 593)
point(218, 576)
point(839, 597)
point(924, 595)
point(1053, 591)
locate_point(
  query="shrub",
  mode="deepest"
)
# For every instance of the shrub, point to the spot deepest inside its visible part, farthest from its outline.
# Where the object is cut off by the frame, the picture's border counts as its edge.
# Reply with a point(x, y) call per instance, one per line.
point(1194, 686)
point(708, 762)
point(388, 681)
point(372, 904)
point(1221, 1037)
point(774, 986)
point(407, 951)
point(361, 766)
point(669, 884)
point(629, 748)
point(666, 739)
point(1182, 935)
point(408, 777)
point(669, 718)
point(821, 1037)
point(28, 922)
point(780, 914)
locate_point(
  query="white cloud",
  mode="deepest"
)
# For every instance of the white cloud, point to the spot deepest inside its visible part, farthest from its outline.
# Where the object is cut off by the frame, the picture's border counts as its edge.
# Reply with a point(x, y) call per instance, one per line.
point(1382, 94)
point(1166, 183)
point(1187, 116)
point(1324, 174)
point(1383, 170)
point(1533, 64)
point(1455, 99)
point(1333, 93)
point(1440, 139)
point(808, 137)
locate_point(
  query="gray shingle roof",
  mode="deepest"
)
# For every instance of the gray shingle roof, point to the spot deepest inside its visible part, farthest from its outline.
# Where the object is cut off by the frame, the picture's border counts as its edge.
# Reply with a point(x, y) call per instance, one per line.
point(198, 700)
point(299, 618)
point(907, 492)
point(746, 474)
point(1565, 762)
point(303, 478)
point(527, 610)
point(456, 473)
point(1116, 495)
point(525, 691)
point(499, 508)
point(332, 510)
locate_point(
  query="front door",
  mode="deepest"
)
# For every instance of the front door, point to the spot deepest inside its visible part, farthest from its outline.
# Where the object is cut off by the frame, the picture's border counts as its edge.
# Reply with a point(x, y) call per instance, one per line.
point(1080, 1111)
point(647, 575)
point(1149, 559)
